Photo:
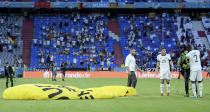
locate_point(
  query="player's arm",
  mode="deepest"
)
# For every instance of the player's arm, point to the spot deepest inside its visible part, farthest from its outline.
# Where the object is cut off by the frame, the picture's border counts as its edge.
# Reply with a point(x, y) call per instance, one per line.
point(138, 69)
point(179, 62)
point(188, 55)
point(172, 65)
point(127, 68)
point(157, 65)
point(127, 61)
point(171, 62)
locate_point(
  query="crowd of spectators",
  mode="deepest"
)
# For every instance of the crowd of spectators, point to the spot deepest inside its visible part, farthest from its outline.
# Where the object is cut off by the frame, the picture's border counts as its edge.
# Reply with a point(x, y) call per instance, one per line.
point(187, 38)
point(10, 27)
point(149, 35)
point(84, 37)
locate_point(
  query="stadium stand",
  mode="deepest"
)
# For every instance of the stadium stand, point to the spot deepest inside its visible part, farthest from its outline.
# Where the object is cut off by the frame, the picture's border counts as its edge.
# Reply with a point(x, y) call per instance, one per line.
point(11, 43)
point(95, 40)
point(148, 35)
point(80, 39)
point(193, 33)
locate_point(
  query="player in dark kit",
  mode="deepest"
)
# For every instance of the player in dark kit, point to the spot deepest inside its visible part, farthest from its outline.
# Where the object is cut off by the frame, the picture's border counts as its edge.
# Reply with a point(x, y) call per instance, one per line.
point(8, 74)
point(63, 70)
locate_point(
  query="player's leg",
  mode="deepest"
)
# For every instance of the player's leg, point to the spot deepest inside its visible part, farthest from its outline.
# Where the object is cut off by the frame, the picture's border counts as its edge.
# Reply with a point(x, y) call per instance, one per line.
point(186, 80)
point(161, 83)
point(129, 80)
point(52, 75)
point(134, 79)
point(11, 80)
point(63, 76)
point(193, 79)
point(168, 86)
point(161, 86)
point(168, 78)
point(200, 79)
point(55, 75)
point(7, 81)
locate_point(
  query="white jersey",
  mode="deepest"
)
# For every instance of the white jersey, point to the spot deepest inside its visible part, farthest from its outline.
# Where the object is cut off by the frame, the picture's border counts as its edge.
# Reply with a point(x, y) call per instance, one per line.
point(164, 62)
point(130, 62)
point(195, 62)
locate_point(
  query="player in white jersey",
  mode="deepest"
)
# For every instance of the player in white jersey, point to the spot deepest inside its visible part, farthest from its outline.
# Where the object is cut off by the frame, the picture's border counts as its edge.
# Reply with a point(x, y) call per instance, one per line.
point(163, 61)
point(195, 70)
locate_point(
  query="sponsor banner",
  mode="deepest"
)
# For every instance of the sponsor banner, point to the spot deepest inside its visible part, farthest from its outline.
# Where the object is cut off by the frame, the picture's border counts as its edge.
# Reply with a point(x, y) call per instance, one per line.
point(196, 5)
point(63, 5)
point(154, 5)
point(129, 5)
point(113, 5)
point(97, 4)
point(181, 5)
point(7, 4)
point(107, 74)
point(42, 5)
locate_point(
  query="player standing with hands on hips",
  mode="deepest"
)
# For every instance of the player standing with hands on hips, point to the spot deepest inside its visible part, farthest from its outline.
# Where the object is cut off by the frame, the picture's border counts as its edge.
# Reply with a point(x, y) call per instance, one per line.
point(163, 61)
point(131, 67)
point(195, 70)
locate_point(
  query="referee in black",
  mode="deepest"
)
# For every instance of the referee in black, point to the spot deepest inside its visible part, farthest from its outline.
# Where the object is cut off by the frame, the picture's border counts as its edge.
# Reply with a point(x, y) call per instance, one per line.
point(131, 67)
point(8, 74)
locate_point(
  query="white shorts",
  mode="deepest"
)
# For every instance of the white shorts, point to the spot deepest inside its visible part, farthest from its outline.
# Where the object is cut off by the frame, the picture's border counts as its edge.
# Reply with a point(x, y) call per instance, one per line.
point(196, 75)
point(165, 75)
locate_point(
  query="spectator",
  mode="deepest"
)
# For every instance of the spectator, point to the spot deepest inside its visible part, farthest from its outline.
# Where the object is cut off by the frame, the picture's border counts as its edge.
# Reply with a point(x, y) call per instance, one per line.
point(108, 62)
point(42, 60)
point(75, 62)
point(82, 63)
point(35, 42)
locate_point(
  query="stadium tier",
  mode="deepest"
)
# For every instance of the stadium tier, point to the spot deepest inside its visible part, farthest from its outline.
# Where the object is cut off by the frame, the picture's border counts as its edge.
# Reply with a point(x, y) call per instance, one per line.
point(148, 36)
point(88, 40)
point(100, 33)
point(11, 44)
point(76, 40)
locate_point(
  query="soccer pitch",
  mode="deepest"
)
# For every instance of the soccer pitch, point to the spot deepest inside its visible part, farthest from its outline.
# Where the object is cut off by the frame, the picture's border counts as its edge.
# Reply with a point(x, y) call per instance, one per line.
point(148, 98)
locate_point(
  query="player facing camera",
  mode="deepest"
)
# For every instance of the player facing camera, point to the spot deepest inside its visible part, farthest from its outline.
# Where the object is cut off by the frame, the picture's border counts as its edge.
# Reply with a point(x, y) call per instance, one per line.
point(164, 63)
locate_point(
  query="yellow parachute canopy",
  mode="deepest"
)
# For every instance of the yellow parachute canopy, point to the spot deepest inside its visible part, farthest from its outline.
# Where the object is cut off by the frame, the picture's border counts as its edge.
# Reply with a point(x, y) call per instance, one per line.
point(56, 92)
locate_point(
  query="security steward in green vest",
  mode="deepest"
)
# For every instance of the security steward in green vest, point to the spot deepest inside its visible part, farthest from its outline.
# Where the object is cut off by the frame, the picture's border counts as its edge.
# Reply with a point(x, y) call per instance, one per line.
point(183, 63)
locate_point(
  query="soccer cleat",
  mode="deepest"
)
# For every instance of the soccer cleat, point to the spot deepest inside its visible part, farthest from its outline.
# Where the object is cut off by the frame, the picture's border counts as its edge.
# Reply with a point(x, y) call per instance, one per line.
point(187, 95)
point(200, 96)
point(193, 96)
point(161, 94)
point(168, 93)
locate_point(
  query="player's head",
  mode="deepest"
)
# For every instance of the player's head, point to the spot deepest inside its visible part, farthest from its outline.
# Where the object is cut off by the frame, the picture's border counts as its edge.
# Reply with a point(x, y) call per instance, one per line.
point(184, 50)
point(7, 64)
point(163, 51)
point(133, 51)
point(189, 48)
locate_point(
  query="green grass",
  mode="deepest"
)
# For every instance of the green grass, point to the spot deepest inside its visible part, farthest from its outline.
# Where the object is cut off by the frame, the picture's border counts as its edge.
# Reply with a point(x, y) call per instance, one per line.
point(147, 100)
